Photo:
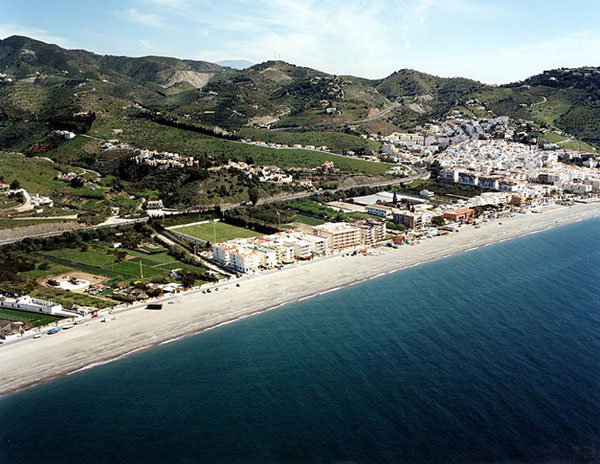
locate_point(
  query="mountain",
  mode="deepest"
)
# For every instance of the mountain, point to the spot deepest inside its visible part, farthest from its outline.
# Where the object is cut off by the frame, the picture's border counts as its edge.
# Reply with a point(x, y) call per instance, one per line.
point(235, 64)
point(32, 60)
point(46, 86)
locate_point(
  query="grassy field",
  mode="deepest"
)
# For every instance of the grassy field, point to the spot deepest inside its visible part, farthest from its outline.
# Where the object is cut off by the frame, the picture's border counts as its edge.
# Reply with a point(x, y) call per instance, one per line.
point(335, 141)
point(65, 298)
point(150, 135)
point(311, 221)
point(224, 232)
point(99, 261)
point(31, 319)
point(34, 174)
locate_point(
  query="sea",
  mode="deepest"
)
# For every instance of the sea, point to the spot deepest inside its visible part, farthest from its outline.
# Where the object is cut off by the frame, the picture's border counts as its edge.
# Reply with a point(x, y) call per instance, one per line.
point(491, 355)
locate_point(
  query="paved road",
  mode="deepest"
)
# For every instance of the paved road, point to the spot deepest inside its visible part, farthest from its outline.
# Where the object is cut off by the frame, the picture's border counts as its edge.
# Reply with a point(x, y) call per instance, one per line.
point(25, 206)
point(54, 234)
point(381, 113)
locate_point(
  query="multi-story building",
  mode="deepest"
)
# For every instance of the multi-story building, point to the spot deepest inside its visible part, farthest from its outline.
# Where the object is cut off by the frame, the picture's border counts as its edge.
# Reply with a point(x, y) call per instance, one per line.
point(371, 231)
point(318, 245)
point(301, 248)
point(340, 235)
point(409, 219)
point(221, 252)
point(379, 210)
point(243, 260)
point(267, 256)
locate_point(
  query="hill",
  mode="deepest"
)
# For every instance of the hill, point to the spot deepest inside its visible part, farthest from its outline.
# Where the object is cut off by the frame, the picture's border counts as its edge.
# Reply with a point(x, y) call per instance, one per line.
point(56, 88)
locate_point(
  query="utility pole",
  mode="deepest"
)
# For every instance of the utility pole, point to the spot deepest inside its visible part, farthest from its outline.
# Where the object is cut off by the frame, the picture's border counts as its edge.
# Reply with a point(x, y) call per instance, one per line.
point(278, 219)
point(141, 272)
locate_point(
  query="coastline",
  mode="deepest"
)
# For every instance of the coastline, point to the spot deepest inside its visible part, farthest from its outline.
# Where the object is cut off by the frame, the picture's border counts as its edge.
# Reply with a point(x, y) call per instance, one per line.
point(93, 343)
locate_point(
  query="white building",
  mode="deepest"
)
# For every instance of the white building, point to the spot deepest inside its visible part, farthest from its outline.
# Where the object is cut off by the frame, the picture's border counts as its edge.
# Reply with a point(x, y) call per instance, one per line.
point(318, 245)
point(221, 252)
point(243, 260)
point(34, 305)
point(267, 256)
point(154, 204)
point(379, 210)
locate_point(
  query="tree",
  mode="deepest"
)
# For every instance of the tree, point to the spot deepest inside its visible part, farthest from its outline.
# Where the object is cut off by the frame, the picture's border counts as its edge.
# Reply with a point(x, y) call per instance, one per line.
point(395, 199)
point(254, 195)
point(15, 185)
point(77, 182)
point(188, 279)
point(438, 221)
point(435, 169)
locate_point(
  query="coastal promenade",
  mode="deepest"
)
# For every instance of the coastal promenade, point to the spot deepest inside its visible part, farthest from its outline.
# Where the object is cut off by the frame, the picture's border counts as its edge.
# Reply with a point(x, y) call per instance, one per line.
point(92, 343)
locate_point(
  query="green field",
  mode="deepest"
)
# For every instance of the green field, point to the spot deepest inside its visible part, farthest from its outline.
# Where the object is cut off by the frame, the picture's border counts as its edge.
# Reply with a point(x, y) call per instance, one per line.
point(311, 221)
point(65, 298)
point(150, 135)
point(31, 319)
point(99, 261)
point(224, 232)
point(335, 141)
point(34, 174)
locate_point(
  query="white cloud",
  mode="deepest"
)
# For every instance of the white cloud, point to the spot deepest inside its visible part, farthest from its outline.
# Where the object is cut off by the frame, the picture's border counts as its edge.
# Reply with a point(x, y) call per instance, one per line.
point(356, 37)
point(145, 19)
point(6, 30)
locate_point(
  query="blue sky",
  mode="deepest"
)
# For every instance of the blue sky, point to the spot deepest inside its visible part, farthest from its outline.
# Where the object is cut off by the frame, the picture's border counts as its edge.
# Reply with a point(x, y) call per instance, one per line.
point(494, 41)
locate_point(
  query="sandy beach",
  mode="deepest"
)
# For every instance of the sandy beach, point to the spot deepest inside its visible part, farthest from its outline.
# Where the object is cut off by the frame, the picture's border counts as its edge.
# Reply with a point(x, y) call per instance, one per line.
point(27, 362)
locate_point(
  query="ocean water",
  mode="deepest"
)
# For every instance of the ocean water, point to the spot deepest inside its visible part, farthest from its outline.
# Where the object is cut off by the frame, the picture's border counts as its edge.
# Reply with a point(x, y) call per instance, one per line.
point(489, 356)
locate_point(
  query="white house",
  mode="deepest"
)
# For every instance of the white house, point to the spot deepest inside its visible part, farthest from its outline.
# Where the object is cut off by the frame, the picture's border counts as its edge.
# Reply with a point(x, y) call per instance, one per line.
point(34, 305)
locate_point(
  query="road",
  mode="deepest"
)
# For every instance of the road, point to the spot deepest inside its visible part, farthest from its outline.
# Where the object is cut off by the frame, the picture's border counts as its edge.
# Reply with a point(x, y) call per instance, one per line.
point(25, 206)
point(54, 234)
point(381, 113)
point(422, 174)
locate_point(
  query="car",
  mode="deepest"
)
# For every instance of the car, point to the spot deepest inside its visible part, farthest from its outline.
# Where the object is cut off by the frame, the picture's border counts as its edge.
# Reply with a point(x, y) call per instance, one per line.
point(37, 335)
point(170, 302)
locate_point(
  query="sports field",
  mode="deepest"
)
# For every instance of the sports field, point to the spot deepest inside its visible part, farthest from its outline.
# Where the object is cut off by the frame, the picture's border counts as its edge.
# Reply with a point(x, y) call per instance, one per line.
point(223, 231)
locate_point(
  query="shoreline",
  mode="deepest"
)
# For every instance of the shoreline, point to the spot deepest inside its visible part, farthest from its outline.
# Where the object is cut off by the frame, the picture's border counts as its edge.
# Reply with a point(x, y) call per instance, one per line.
point(31, 362)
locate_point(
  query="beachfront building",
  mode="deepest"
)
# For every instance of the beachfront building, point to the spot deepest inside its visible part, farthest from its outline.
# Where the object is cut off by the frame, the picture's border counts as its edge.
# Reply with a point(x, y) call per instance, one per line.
point(243, 260)
point(267, 256)
point(302, 249)
point(318, 245)
point(371, 231)
point(458, 215)
point(221, 252)
point(379, 210)
point(411, 220)
point(34, 305)
point(339, 235)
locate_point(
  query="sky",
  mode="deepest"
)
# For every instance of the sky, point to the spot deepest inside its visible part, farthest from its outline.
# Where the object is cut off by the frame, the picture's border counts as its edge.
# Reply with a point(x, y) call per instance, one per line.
point(493, 41)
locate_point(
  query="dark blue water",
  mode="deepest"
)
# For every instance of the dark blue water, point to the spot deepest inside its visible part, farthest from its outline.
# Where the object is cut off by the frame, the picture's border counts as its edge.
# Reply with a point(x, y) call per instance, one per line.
point(489, 356)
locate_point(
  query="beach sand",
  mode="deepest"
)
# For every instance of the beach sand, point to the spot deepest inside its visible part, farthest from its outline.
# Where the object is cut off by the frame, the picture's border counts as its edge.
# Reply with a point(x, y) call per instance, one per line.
point(27, 362)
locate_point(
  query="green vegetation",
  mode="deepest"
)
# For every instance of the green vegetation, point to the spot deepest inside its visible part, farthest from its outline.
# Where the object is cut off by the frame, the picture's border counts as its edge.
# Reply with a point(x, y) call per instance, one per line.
point(67, 298)
point(316, 209)
point(309, 220)
point(30, 319)
point(335, 141)
point(24, 266)
point(224, 232)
